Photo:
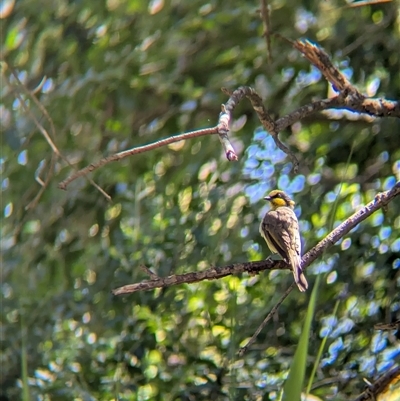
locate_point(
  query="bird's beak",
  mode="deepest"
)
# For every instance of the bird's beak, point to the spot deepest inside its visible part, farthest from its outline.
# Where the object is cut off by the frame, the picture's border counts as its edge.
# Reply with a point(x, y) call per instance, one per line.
point(268, 198)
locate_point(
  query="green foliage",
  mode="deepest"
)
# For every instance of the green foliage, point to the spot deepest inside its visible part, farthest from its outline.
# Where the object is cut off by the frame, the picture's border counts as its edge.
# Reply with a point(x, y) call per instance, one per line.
point(117, 74)
point(294, 383)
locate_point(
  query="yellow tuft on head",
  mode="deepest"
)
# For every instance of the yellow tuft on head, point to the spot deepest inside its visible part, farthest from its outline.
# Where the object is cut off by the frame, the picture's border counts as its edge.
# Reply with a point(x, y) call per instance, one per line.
point(278, 198)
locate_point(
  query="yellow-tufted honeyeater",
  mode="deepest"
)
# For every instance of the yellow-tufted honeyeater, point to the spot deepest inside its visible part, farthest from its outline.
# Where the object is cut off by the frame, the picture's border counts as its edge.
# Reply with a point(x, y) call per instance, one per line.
point(280, 229)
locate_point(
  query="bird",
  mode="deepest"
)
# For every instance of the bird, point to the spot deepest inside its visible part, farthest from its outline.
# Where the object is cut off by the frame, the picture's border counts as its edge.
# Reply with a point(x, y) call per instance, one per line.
point(280, 229)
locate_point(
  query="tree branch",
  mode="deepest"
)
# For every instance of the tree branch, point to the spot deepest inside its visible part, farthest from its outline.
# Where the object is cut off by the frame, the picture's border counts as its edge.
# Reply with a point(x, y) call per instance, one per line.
point(134, 151)
point(380, 385)
point(264, 10)
point(380, 200)
point(349, 98)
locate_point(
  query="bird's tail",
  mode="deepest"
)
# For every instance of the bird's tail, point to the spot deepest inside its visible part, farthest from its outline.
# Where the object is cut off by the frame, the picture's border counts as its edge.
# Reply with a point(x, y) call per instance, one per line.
point(299, 276)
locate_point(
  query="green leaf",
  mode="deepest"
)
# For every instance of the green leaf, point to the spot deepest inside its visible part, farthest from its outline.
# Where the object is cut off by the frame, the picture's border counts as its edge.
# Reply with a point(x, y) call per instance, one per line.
point(294, 383)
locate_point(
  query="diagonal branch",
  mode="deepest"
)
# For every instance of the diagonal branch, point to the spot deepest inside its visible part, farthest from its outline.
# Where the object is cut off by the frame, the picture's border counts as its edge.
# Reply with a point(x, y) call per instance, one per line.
point(380, 385)
point(351, 98)
point(134, 151)
point(380, 200)
point(317, 56)
point(56, 153)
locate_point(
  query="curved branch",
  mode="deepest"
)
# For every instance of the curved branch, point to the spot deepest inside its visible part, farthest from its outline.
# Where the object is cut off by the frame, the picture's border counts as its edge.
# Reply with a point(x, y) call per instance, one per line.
point(350, 99)
point(380, 200)
point(140, 149)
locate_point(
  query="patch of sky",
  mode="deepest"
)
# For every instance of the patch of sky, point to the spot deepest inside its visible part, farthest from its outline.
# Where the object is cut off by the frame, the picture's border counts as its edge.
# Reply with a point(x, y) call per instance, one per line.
point(384, 366)
point(373, 86)
point(314, 179)
point(385, 232)
point(377, 219)
point(375, 242)
point(334, 126)
point(48, 86)
point(257, 191)
point(277, 156)
point(304, 19)
point(319, 267)
point(373, 308)
point(308, 78)
point(336, 347)
point(121, 187)
point(260, 134)
point(378, 343)
point(323, 266)
point(262, 383)
point(283, 182)
point(328, 361)
point(395, 246)
point(343, 327)
point(383, 248)
point(347, 72)
point(287, 74)
point(189, 105)
point(389, 183)
point(251, 164)
point(332, 277)
point(330, 197)
point(305, 226)
point(391, 354)
point(8, 210)
point(367, 269)
point(252, 150)
point(367, 365)
point(6, 182)
point(297, 184)
point(244, 232)
point(328, 323)
point(396, 166)
point(287, 168)
point(23, 158)
point(384, 157)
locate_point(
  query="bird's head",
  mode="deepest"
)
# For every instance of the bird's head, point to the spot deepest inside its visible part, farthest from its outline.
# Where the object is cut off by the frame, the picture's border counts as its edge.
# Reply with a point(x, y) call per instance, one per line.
point(278, 199)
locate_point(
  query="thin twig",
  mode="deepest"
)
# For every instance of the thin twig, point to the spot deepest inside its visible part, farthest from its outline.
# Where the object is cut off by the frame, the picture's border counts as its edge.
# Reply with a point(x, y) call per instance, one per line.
point(46, 135)
point(357, 102)
point(380, 200)
point(380, 385)
point(387, 326)
point(35, 120)
point(140, 149)
point(273, 311)
point(267, 27)
point(152, 275)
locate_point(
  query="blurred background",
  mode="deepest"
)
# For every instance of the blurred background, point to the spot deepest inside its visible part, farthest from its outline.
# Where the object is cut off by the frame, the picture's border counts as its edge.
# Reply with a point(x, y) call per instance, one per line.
point(111, 75)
